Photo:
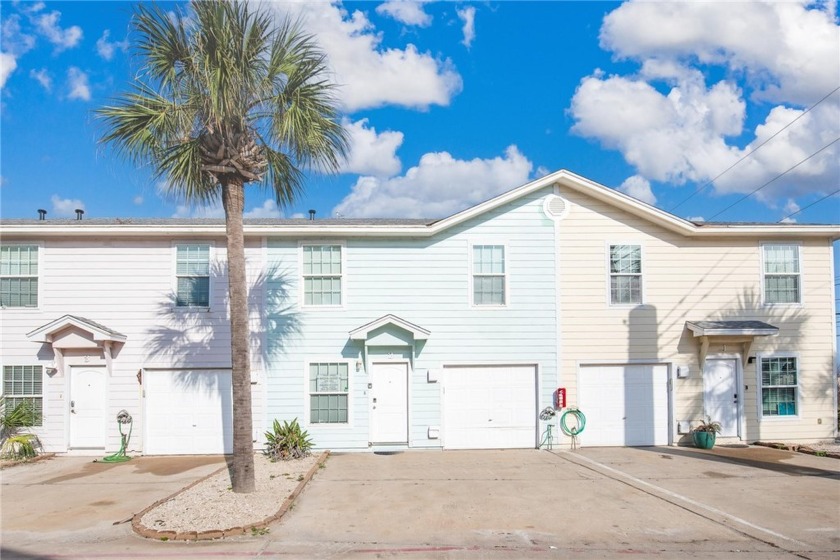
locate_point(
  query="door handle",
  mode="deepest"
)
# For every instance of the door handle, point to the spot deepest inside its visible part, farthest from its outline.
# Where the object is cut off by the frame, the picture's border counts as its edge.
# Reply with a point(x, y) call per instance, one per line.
point(72, 407)
point(374, 400)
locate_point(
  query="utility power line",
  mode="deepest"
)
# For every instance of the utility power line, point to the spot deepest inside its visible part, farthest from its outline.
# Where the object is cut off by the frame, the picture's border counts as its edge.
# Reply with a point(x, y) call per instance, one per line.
point(829, 195)
point(751, 152)
point(777, 177)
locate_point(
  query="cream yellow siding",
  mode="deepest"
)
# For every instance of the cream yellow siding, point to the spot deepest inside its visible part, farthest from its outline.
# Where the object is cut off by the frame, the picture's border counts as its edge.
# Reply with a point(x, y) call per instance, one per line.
point(693, 279)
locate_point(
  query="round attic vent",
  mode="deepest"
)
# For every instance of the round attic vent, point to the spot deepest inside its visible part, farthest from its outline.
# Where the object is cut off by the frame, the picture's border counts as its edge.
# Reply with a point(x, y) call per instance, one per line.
point(556, 207)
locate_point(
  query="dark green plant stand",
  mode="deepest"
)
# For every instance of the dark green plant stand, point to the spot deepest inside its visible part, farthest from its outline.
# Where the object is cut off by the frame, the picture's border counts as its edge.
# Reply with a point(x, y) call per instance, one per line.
point(704, 440)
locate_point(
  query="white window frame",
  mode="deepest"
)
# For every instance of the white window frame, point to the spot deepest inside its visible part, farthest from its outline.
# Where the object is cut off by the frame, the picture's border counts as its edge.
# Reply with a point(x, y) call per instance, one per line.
point(211, 259)
point(307, 406)
point(610, 274)
point(40, 247)
point(797, 388)
point(25, 395)
point(764, 274)
point(342, 276)
point(505, 275)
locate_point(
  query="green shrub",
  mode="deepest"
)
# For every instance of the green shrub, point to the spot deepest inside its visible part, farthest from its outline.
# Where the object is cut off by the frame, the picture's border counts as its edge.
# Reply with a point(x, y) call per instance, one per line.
point(287, 441)
point(14, 443)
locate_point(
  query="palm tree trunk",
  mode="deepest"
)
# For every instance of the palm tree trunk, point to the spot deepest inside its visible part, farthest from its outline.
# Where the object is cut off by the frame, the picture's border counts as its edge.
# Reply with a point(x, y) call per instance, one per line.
point(242, 476)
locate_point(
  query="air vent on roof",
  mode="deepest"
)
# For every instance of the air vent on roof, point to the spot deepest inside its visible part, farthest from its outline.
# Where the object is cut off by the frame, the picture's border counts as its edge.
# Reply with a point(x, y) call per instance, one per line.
point(556, 207)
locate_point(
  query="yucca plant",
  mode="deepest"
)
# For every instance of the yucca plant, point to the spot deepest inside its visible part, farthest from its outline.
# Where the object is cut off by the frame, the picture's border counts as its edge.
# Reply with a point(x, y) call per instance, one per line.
point(287, 441)
point(14, 443)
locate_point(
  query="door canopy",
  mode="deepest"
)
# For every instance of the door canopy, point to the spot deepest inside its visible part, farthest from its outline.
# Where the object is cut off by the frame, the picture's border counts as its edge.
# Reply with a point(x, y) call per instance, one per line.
point(75, 333)
point(729, 332)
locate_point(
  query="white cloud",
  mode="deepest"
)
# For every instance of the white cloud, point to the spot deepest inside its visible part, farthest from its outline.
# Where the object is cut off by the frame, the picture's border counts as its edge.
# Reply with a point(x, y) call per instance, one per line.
point(268, 209)
point(541, 171)
point(672, 126)
point(788, 220)
point(8, 63)
point(106, 48)
point(47, 25)
point(77, 84)
point(42, 77)
point(138, 200)
point(212, 210)
point(639, 188)
point(439, 185)
point(409, 12)
point(467, 15)
point(65, 207)
point(369, 74)
point(372, 153)
point(791, 207)
point(15, 41)
point(696, 219)
point(793, 43)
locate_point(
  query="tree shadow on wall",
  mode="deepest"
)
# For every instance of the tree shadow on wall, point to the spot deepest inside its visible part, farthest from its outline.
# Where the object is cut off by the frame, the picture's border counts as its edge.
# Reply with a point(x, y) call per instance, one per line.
point(191, 342)
point(200, 336)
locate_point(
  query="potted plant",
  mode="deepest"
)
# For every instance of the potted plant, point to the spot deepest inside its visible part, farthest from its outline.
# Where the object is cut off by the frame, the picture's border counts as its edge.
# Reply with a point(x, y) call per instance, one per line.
point(704, 434)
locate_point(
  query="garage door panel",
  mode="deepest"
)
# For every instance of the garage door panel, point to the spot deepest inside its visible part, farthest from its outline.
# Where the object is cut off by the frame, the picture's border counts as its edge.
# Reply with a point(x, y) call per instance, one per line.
point(188, 412)
point(625, 405)
point(489, 407)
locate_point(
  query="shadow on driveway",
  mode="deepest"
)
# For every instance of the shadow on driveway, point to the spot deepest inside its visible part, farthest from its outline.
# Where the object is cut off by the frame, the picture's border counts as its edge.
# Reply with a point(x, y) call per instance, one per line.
point(774, 460)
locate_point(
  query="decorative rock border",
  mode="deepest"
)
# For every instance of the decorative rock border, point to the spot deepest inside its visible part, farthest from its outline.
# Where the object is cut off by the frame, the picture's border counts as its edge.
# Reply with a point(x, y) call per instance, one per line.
point(796, 448)
point(149, 533)
point(8, 463)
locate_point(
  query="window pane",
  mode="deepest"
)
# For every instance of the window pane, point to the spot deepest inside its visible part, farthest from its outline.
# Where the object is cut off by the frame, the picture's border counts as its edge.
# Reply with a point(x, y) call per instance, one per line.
point(626, 289)
point(781, 259)
point(781, 289)
point(778, 401)
point(489, 290)
point(24, 384)
point(321, 271)
point(488, 259)
point(625, 259)
point(194, 292)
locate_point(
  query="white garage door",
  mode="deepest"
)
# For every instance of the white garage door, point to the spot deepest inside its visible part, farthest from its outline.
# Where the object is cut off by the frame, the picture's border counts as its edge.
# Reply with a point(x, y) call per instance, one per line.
point(490, 407)
point(625, 405)
point(188, 412)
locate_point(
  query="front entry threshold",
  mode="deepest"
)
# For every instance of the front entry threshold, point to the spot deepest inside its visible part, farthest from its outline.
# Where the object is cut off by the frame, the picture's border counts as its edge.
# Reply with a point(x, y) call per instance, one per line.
point(388, 447)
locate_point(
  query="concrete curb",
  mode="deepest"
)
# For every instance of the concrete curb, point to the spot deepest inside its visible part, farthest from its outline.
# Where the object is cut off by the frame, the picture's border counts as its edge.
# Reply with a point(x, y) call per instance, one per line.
point(707, 512)
point(796, 448)
point(9, 463)
point(213, 534)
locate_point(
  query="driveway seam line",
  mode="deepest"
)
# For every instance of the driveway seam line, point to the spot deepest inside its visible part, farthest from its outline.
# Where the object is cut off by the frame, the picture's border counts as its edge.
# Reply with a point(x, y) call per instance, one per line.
point(636, 483)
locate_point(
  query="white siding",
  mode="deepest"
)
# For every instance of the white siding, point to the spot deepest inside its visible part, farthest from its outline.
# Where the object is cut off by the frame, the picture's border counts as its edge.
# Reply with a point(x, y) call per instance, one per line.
point(126, 285)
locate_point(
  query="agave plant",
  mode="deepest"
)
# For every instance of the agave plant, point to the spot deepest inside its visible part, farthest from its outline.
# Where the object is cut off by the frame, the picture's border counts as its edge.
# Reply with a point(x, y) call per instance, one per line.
point(287, 441)
point(14, 442)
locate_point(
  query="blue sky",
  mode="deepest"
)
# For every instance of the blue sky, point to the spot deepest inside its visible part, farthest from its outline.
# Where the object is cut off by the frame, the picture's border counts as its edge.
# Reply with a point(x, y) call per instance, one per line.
point(451, 103)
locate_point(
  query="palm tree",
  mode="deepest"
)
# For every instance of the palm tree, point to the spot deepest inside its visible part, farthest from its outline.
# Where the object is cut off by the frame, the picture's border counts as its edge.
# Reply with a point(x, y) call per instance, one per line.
point(226, 98)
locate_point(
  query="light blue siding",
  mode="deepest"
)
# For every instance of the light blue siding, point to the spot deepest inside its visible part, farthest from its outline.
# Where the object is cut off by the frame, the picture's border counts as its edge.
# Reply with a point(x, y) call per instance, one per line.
point(427, 282)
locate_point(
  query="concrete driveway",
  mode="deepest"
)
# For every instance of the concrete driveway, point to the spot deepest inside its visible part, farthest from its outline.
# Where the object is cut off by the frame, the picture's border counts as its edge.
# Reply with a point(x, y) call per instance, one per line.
point(593, 503)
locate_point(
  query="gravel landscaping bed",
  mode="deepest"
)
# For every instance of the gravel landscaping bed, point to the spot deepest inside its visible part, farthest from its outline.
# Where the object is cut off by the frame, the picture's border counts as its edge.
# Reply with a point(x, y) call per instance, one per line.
point(211, 506)
point(828, 449)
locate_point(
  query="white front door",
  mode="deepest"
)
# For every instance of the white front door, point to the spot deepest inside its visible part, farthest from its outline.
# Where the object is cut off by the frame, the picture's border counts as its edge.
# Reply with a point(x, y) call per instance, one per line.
point(720, 394)
point(87, 407)
point(389, 402)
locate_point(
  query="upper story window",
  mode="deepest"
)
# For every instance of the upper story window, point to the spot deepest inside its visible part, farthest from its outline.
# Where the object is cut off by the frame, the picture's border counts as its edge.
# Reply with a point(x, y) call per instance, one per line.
point(625, 274)
point(782, 274)
point(192, 271)
point(489, 282)
point(24, 384)
point(779, 384)
point(322, 274)
point(19, 276)
point(329, 388)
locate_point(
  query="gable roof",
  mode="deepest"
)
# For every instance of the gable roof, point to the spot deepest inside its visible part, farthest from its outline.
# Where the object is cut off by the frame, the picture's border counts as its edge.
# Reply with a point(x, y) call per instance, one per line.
point(362, 333)
point(99, 332)
point(397, 227)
